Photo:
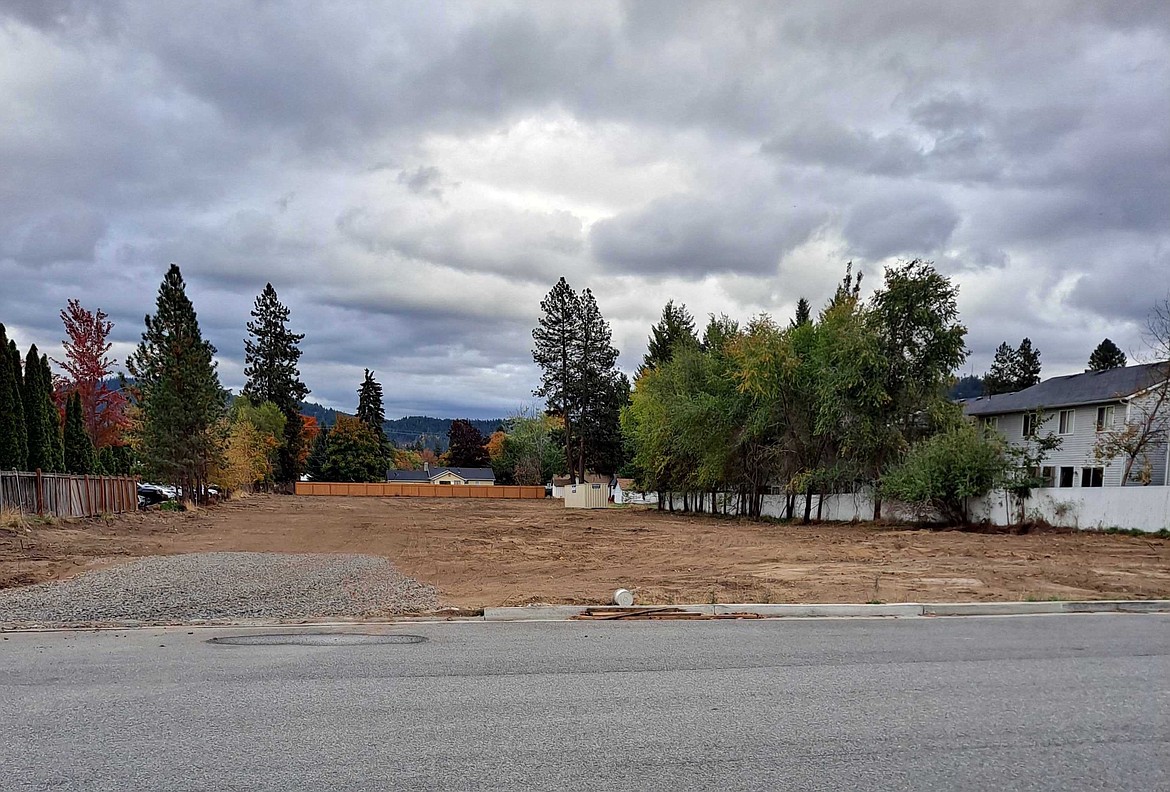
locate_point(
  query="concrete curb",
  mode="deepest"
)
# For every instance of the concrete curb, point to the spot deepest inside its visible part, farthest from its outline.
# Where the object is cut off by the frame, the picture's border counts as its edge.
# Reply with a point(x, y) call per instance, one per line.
point(898, 610)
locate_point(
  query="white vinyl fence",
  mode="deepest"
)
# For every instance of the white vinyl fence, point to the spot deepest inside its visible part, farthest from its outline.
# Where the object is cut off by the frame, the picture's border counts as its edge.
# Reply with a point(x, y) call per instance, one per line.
point(1140, 508)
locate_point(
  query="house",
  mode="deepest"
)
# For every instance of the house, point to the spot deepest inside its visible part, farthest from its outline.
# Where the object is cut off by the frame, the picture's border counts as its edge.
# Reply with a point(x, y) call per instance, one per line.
point(625, 491)
point(1078, 408)
point(444, 475)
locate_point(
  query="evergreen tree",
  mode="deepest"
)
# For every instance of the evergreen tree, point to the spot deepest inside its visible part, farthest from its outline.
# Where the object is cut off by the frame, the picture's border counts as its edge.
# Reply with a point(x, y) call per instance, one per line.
point(180, 400)
point(1107, 356)
point(674, 329)
point(594, 387)
point(37, 403)
point(53, 423)
point(467, 445)
point(79, 453)
point(1001, 377)
point(370, 410)
point(1027, 371)
point(315, 463)
point(270, 364)
point(13, 431)
point(553, 352)
point(804, 312)
point(1013, 368)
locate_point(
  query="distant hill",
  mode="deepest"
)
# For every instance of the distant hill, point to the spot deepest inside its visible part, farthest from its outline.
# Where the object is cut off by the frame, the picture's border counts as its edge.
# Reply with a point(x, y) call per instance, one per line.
point(411, 430)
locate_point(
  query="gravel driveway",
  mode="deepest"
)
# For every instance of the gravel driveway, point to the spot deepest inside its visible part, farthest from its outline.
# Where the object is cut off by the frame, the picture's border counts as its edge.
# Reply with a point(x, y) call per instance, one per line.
point(221, 587)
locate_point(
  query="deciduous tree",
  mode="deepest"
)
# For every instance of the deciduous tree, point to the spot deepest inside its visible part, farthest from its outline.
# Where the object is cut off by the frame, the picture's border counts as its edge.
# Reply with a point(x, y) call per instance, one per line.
point(353, 452)
point(88, 369)
point(467, 445)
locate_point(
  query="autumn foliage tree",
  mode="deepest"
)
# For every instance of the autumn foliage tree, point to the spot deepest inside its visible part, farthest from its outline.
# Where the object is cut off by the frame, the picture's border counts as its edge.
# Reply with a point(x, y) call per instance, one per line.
point(88, 368)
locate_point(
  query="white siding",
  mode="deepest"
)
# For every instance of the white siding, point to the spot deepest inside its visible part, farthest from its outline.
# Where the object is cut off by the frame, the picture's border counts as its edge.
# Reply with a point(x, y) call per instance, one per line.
point(1139, 410)
point(1076, 448)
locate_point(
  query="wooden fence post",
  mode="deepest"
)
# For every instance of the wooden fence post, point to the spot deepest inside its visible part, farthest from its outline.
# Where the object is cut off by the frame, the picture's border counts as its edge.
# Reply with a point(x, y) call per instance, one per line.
point(40, 488)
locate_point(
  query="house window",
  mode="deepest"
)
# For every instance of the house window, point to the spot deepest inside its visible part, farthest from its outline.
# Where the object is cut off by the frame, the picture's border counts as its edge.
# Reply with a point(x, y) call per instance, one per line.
point(1029, 424)
point(1104, 418)
point(1048, 473)
point(444, 482)
point(991, 422)
point(1066, 422)
point(1093, 477)
point(1068, 476)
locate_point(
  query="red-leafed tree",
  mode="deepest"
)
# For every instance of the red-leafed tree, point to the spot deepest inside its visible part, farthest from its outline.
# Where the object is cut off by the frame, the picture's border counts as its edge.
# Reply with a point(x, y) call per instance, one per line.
point(310, 429)
point(88, 367)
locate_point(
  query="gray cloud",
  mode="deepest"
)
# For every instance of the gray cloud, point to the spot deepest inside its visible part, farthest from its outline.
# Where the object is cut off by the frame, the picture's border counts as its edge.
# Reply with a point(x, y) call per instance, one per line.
point(692, 236)
point(413, 177)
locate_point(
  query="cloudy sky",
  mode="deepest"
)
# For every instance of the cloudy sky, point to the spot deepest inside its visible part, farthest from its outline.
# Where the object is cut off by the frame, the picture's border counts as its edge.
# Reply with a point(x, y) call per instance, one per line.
point(413, 177)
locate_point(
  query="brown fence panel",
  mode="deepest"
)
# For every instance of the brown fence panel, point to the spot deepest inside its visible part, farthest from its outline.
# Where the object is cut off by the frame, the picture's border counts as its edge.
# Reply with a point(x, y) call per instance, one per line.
point(59, 495)
point(395, 490)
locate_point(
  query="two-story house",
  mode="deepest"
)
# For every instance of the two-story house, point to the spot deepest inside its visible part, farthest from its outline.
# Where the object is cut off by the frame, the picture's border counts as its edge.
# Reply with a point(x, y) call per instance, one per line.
point(1078, 408)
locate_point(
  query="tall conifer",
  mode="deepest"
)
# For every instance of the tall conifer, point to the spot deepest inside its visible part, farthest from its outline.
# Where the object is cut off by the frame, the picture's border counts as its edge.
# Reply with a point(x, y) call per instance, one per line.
point(80, 457)
point(13, 433)
point(179, 395)
point(270, 363)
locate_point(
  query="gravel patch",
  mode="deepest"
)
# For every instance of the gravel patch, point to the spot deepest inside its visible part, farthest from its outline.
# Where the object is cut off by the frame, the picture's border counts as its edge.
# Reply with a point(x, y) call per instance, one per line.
point(221, 587)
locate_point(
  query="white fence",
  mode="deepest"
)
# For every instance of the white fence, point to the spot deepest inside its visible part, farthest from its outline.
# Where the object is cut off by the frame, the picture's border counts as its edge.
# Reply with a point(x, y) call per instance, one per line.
point(1140, 508)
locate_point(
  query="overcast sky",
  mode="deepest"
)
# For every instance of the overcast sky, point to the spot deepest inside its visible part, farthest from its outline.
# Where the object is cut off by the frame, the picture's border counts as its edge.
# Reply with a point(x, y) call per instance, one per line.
point(414, 177)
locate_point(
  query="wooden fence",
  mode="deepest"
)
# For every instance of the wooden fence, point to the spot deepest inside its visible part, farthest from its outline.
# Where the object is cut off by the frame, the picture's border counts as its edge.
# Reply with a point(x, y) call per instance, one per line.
point(58, 495)
point(398, 490)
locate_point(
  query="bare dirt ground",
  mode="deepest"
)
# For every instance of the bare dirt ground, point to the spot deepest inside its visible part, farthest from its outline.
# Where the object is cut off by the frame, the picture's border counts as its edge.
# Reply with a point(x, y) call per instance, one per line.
point(481, 553)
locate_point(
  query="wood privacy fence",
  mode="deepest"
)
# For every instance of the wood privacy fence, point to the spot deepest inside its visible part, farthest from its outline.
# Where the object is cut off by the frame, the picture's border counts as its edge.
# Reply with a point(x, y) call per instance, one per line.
point(397, 490)
point(58, 495)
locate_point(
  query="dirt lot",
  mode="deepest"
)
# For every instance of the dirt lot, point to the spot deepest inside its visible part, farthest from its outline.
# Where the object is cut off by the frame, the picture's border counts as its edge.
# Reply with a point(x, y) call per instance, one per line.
point(517, 552)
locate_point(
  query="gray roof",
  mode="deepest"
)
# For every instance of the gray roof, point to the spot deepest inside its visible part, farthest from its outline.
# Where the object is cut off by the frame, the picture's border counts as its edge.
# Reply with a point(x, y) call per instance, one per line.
point(1091, 387)
point(422, 476)
point(417, 476)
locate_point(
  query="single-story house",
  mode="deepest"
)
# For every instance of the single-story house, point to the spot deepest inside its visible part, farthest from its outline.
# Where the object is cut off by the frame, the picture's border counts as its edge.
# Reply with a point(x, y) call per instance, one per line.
point(479, 477)
point(625, 491)
point(1080, 407)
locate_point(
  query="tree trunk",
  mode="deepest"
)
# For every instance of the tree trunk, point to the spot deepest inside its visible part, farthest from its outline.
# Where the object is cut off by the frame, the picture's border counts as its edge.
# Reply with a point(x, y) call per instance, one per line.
point(807, 507)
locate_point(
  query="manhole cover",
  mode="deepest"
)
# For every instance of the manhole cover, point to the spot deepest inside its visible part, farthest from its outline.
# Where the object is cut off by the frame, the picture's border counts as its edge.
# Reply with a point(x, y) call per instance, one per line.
point(317, 639)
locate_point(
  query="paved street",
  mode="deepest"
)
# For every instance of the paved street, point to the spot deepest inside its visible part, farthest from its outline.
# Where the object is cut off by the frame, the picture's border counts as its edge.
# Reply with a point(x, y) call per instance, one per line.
point(1044, 703)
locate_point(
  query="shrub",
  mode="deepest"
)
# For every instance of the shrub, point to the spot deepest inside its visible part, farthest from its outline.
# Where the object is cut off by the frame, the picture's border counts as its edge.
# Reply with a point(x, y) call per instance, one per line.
point(942, 472)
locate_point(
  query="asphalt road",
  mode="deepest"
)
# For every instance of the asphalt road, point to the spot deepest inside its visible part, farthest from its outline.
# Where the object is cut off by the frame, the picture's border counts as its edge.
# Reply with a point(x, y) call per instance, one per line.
point(1038, 703)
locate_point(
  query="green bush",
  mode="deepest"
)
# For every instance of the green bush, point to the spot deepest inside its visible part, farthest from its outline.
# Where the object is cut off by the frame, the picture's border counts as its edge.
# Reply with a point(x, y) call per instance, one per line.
point(942, 472)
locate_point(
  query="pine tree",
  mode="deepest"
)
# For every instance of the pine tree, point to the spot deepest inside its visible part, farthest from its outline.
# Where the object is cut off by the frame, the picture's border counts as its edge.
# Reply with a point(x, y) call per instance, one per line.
point(13, 431)
point(37, 403)
point(80, 458)
point(1001, 377)
point(56, 461)
point(270, 364)
point(1107, 356)
point(675, 329)
point(1027, 371)
point(180, 399)
point(370, 410)
point(594, 383)
point(553, 350)
point(804, 312)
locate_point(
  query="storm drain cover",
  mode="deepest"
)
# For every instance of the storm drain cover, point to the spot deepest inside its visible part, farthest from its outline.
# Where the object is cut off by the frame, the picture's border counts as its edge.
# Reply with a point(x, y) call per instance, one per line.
point(318, 639)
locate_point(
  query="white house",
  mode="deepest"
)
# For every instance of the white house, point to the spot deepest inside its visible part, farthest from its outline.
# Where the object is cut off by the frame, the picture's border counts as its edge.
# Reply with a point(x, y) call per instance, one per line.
point(1079, 408)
